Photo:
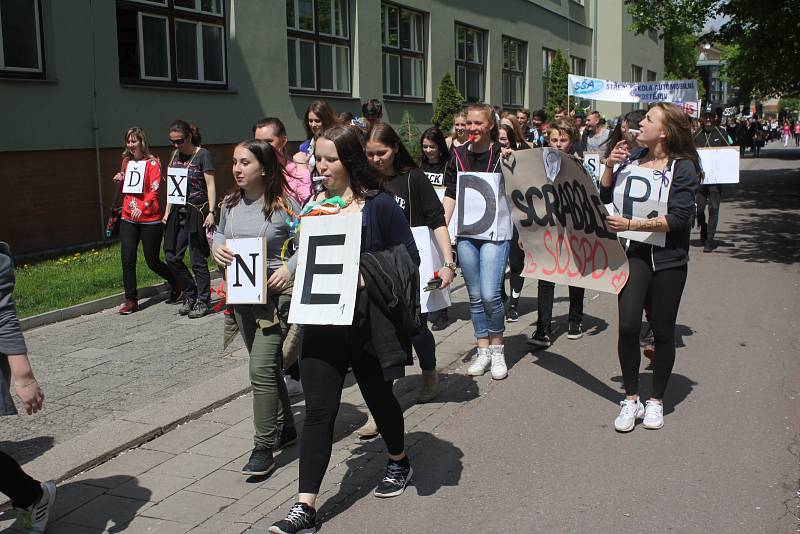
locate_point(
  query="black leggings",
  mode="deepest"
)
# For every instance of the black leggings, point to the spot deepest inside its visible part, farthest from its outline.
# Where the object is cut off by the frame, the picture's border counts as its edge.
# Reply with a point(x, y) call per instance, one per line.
point(130, 234)
point(425, 345)
point(16, 484)
point(663, 290)
point(327, 353)
point(516, 262)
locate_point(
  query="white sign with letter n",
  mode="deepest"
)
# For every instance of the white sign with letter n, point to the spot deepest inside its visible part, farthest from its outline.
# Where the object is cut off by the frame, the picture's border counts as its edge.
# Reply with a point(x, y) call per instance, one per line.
point(642, 193)
point(134, 177)
point(177, 185)
point(327, 270)
point(246, 276)
point(430, 259)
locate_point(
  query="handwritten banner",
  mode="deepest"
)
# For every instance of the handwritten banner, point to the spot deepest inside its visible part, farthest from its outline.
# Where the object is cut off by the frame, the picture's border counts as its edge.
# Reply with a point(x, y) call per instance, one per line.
point(327, 270)
point(562, 224)
point(661, 91)
point(642, 193)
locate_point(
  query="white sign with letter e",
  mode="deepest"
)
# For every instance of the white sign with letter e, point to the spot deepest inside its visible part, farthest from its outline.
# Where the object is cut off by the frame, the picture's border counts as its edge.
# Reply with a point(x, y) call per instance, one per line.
point(177, 185)
point(720, 165)
point(477, 198)
point(246, 276)
point(430, 256)
point(134, 177)
point(327, 270)
point(642, 193)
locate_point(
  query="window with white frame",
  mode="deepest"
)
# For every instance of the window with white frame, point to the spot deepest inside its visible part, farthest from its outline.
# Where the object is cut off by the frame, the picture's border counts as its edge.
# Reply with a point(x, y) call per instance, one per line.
point(318, 42)
point(578, 66)
point(470, 62)
point(547, 59)
point(173, 42)
point(652, 76)
point(21, 39)
point(636, 73)
point(513, 72)
point(403, 39)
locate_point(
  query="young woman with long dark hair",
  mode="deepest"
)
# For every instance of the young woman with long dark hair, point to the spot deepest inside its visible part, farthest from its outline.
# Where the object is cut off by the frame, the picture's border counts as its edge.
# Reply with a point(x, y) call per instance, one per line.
point(422, 207)
point(141, 221)
point(318, 117)
point(657, 274)
point(329, 351)
point(260, 206)
point(482, 257)
point(186, 225)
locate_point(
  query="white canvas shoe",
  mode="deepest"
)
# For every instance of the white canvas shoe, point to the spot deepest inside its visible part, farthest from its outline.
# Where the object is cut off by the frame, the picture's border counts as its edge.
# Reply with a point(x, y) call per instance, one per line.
point(481, 362)
point(499, 367)
point(630, 411)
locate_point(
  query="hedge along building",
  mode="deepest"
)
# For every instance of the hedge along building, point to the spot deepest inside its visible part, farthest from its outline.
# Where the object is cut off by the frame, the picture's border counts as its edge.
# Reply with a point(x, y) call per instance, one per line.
point(74, 75)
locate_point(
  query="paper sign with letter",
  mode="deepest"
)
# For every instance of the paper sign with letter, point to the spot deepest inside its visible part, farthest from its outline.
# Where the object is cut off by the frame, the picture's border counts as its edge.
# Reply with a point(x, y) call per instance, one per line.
point(477, 199)
point(327, 270)
point(451, 228)
point(430, 256)
point(642, 193)
point(720, 165)
point(246, 276)
point(134, 177)
point(591, 162)
point(562, 224)
point(177, 185)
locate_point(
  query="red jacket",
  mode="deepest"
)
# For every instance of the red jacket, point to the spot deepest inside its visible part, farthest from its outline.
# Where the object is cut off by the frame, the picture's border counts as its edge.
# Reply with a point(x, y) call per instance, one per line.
point(147, 201)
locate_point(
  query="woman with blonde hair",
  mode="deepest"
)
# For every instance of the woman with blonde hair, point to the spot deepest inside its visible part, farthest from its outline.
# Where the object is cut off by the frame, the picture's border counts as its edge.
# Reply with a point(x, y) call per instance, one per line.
point(459, 134)
point(657, 274)
point(141, 220)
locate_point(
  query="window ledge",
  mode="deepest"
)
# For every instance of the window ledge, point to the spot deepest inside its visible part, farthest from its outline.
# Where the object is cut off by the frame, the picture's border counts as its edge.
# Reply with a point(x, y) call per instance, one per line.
point(406, 100)
point(207, 90)
point(324, 96)
point(28, 80)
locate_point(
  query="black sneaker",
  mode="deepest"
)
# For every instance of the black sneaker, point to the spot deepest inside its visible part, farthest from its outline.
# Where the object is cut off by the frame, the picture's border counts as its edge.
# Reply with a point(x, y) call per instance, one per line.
point(260, 462)
point(441, 321)
point(288, 436)
point(301, 519)
point(174, 294)
point(575, 331)
point(512, 316)
point(540, 338)
point(709, 247)
point(200, 309)
point(397, 477)
point(186, 306)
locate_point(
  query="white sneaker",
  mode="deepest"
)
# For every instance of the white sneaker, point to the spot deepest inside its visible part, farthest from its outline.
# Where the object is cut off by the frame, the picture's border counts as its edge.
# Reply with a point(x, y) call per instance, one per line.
point(481, 362)
point(653, 415)
point(630, 411)
point(499, 367)
point(34, 519)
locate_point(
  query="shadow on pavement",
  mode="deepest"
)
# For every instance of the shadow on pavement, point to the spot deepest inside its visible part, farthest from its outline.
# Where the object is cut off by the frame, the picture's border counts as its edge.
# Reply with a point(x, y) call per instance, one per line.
point(25, 450)
point(436, 463)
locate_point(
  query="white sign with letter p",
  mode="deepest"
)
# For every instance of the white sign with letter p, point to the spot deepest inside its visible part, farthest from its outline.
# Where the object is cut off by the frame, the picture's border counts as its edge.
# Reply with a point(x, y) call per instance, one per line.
point(134, 177)
point(642, 193)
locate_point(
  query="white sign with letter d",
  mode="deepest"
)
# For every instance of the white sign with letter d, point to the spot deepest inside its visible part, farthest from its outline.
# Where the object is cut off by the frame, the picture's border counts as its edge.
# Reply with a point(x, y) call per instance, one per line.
point(134, 177)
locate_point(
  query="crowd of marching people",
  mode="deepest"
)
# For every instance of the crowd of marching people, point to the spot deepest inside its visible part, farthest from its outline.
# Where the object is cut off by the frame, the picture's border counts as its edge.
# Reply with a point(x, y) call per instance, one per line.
point(360, 165)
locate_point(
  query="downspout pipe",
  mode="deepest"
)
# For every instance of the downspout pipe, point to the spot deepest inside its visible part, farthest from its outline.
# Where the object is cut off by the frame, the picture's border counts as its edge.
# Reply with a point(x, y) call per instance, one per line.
point(96, 126)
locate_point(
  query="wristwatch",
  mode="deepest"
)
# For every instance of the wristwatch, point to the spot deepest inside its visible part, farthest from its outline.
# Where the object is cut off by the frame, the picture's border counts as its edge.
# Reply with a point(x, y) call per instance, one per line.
point(450, 265)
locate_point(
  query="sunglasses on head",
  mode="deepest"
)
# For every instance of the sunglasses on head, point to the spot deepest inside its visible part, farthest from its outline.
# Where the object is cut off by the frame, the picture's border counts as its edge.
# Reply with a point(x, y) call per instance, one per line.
point(176, 142)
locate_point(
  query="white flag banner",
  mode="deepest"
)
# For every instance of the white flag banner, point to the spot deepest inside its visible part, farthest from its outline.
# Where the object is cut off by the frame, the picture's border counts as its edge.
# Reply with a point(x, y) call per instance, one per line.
point(610, 91)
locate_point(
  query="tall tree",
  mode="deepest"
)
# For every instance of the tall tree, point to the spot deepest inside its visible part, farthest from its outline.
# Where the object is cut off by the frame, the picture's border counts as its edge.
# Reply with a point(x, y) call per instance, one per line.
point(449, 101)
point(410, 134)
point(557, 83)
point(764, 53)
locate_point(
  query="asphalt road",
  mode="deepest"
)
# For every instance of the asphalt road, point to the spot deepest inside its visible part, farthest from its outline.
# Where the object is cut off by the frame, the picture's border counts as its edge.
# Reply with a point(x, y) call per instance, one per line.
point(538, 452)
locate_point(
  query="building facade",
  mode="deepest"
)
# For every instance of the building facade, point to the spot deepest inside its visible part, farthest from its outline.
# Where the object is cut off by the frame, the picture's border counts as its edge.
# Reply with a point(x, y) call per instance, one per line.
point(81, 72)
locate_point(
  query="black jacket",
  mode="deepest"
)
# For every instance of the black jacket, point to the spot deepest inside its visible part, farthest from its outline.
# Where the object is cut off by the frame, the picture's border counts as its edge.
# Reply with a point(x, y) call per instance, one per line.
point(680, 212)
point(391, 307)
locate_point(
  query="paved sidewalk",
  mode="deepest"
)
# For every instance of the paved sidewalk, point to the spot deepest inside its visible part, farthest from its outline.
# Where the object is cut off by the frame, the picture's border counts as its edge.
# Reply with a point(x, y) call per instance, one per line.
point(97, 368)
point(188, 480)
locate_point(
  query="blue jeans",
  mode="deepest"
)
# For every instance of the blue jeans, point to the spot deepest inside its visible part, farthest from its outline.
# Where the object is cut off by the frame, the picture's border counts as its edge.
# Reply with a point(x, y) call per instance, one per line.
point(483, 264)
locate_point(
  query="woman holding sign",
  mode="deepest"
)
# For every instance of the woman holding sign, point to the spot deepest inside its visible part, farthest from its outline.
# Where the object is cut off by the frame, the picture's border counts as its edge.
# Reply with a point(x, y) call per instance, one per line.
point(186, 222)
point(328, 350)
point(657, 274)
point(483, 245)
point(259, 207)
point(139, 179)
point(421, 206)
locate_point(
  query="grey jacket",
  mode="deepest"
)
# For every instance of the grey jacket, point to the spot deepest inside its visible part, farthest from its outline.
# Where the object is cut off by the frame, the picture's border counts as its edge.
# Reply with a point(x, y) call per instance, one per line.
point(11, 340)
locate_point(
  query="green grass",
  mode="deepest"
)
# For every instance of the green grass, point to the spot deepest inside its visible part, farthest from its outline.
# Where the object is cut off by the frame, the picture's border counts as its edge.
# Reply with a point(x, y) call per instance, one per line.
point(54, 283)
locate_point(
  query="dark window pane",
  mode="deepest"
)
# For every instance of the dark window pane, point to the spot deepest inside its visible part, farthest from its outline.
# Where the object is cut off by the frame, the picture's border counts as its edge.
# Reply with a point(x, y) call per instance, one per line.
point(326, 67)
point(211, 6)
point(405, 29)
point(127, 37)
point(292, 58)
point(213, 70)
point(306, 15)
point(186, 49)
point(189, 4)
point(308, 64)
point(20, 42)
point(394, 37)
point(154, 35)
point(324, 16)
point(290, 13)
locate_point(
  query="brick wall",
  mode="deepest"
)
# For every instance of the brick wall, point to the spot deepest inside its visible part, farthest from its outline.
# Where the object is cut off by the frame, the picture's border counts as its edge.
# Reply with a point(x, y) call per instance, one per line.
point(50, 198)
